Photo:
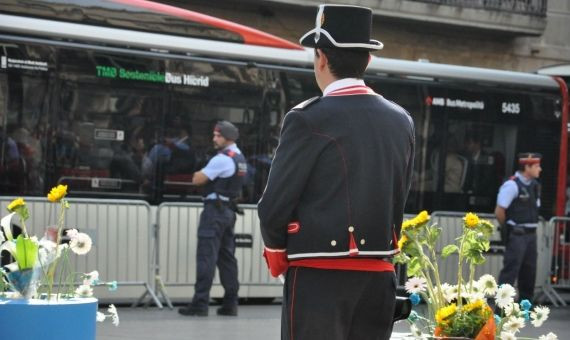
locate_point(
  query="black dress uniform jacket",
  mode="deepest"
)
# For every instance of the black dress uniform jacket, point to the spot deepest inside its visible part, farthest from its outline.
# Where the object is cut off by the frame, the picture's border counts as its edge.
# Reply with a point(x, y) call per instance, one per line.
point(342, 162)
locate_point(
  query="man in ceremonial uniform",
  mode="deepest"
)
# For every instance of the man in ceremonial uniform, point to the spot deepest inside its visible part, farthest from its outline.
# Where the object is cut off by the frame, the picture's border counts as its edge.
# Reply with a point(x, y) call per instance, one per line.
point(223, 177)
point(517, 210)
point(334, 201)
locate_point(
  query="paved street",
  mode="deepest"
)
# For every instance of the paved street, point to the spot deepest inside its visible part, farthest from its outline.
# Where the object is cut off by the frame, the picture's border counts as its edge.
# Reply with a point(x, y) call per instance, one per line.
point(255, 322)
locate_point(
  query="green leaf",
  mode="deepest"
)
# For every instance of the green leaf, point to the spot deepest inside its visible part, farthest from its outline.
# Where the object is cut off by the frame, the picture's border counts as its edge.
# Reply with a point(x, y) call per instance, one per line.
point(26, 252)
point(414, 267)
point(448, 250)
point(433, 235)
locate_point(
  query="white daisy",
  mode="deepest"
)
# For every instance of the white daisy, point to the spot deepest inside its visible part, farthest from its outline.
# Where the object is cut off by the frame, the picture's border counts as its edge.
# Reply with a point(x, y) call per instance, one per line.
point(514, 325)
point(451, 293)
point(100, 317)
point(81, 244)
point(487, 284)
point(72, 233)
point(508, 336)
point(474, 296)
point(512, 309)
point(505, 295)
point(84, 291)
point(416, 285)
point(549, 336)
point(114, 314)
point(539, 315)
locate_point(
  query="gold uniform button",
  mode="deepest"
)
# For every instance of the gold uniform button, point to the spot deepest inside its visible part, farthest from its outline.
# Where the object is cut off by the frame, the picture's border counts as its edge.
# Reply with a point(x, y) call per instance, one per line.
point(333, 243)
point(362, 241)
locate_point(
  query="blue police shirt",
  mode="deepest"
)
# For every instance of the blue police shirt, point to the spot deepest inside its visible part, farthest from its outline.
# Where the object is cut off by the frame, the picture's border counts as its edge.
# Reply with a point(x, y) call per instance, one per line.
point(509, 191)
point(221, 166)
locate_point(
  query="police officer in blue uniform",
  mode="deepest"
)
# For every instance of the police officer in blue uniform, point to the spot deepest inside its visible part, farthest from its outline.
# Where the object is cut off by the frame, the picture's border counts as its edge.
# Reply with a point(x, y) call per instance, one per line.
point(518, 202)
point(334, 200)
point(223, 179)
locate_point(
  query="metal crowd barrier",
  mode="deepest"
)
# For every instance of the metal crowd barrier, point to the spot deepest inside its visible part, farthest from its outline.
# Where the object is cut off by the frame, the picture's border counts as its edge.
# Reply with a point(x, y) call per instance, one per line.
point(133, 248)
point(120, 233)
point(558, 266)
point(177, 225)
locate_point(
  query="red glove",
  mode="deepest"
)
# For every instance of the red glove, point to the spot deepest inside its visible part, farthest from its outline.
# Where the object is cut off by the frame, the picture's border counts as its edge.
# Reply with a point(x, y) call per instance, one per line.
point(276, 261)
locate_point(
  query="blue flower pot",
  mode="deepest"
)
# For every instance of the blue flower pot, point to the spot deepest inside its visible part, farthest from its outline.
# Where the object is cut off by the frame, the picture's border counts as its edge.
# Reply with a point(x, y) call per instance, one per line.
point(48, 320)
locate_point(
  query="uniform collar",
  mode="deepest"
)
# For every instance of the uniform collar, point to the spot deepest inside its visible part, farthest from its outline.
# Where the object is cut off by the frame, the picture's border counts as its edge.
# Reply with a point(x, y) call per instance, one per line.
point(231, 147)
point(341, 83)
point(523, 179)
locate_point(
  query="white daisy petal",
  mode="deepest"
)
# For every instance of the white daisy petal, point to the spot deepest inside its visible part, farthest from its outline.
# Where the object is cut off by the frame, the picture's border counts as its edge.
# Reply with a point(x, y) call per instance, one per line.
point(100, 317)
point(416, 285)
point(508, 336)
point(549, 336)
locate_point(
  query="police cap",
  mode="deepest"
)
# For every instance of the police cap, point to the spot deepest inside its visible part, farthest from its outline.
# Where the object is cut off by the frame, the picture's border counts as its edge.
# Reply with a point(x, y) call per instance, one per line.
point(227, 130)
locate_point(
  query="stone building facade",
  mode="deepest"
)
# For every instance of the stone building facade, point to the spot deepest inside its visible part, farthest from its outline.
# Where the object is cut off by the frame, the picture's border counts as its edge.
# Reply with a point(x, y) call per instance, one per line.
point(518, 35)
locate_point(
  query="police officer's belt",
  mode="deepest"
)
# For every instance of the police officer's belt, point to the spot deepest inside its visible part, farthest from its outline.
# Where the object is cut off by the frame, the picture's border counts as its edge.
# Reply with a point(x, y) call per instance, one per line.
point(523, 230)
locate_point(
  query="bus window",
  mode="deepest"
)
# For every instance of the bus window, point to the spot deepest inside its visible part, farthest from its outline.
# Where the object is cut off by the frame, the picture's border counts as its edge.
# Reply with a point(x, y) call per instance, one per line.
point(102, 140)
point(478, 159)
point(22, 133)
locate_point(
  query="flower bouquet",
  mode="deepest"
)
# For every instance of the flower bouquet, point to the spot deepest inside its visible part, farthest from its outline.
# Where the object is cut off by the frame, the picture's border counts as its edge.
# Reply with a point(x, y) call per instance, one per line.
point(460, 310)
point(42, 267)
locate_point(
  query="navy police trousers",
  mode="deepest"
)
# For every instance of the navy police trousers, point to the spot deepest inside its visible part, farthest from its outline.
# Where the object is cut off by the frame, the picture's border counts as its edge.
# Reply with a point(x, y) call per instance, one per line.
point(519, 262)
point(216, 247)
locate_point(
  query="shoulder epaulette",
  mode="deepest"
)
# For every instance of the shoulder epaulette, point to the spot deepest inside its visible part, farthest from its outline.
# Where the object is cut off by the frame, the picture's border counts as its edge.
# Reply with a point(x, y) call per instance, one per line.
point(306, 103)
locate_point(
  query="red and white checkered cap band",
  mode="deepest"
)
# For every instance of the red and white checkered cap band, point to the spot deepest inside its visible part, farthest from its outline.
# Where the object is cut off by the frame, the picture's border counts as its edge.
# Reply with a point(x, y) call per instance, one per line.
point(529, 160)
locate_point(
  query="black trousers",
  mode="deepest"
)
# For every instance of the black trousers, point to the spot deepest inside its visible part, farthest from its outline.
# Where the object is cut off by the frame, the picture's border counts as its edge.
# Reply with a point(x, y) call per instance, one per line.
point(216, 247)
point(519, 262)
point(321, 304)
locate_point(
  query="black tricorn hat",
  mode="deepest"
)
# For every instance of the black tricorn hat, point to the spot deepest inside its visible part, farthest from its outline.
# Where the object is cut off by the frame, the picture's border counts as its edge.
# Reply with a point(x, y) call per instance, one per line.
point(342, 26)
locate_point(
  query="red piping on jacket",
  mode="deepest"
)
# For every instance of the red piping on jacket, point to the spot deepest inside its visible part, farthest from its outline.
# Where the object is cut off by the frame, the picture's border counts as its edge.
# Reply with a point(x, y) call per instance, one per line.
point(250, 35)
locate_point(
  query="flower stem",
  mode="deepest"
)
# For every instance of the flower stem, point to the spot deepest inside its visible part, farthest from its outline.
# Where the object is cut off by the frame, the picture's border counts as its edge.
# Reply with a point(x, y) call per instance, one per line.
point(24, 230)
point(53, 267)
point(460, 272)
point(471, 276)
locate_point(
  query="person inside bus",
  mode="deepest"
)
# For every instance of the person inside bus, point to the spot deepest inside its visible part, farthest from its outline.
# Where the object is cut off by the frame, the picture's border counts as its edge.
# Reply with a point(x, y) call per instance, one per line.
point(223, 178)
point(517, 207)
point(334, 200)
point(480, 180)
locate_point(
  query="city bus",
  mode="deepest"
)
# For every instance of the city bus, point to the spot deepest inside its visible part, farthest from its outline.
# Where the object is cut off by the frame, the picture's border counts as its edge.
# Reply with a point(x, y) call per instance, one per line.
point(118, 98)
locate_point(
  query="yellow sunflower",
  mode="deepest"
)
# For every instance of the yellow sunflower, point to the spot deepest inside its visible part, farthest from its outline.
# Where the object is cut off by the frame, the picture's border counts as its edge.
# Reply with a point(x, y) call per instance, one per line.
point(57, 193)
point(471, 220)
point(402, 241)
point(473, 305)
point(422, 217)
point(445, 312)
point(18, 202)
